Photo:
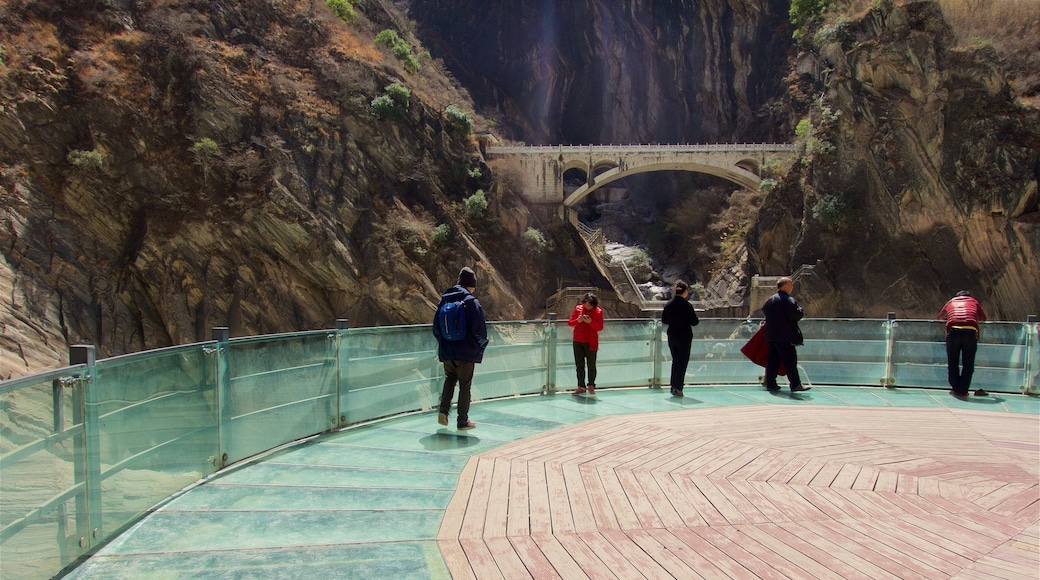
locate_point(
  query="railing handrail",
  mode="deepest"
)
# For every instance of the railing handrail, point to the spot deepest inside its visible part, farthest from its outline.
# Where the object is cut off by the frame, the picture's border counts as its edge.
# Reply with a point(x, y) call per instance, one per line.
point(640, 148)
point(205, 406)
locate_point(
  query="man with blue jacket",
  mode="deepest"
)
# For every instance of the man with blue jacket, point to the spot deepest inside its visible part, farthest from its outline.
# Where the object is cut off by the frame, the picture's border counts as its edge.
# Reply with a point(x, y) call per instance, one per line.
point(782, 314)
point(461, 356)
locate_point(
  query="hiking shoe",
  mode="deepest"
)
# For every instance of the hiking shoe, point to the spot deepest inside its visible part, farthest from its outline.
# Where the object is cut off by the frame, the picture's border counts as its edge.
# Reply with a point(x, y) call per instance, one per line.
point(958, 395)
point(981, 393)
point(578, 392)
point(799, 388)
point(773, 388)
point(466, 426)
point(676, 393)
point(592, 390)
point(442, 418)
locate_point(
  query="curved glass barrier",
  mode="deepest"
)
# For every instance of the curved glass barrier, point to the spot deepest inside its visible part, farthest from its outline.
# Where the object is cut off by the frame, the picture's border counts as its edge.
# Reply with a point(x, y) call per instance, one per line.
point(86, 450)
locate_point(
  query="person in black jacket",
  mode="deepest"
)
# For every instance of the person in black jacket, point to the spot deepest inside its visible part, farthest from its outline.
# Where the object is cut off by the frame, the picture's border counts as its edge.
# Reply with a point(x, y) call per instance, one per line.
point(782, 314)
point(461, 356)
point(680, 317)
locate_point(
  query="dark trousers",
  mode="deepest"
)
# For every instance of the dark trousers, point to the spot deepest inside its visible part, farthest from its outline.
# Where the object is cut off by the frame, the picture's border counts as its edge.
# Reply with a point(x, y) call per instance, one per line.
point(461, 372)
point(961, 344)
point(782, 352)
point(583, 355)
point(680, 349)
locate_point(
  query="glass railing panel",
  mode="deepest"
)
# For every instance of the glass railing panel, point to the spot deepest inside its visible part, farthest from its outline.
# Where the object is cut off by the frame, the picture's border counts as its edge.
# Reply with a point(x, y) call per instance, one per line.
point(844, 351)
point(280, 388)
point(1033, 367)
point(389, 370)
point(919, 355)
point(715, 356)
point(625, 357)
point(514, 362)
point(43, 505)
point(157, 426)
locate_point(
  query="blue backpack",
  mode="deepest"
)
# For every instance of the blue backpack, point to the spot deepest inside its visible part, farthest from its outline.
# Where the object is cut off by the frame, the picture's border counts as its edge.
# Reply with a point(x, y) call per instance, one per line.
point(451, 319)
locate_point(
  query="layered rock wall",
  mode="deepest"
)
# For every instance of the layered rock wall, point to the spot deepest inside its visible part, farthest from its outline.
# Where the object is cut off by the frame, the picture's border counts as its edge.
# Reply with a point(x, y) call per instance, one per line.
point(632, 71)
point(920, 177)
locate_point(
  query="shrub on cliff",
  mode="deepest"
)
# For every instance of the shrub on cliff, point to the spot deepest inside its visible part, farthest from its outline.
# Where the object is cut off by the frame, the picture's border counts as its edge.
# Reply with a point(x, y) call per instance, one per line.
point(459, 119)
point(803, 13)
point(343, 9)
point(92, 159)
point(401, 48)
point(394, 103)
point(535, 241)
point(476, 204)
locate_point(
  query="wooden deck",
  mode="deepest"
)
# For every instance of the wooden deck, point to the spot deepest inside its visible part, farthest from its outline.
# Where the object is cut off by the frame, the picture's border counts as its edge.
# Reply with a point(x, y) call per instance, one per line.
point(757, 491)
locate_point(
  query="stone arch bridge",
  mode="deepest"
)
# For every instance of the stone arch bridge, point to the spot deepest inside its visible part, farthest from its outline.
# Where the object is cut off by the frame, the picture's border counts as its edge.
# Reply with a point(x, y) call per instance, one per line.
point(543, 166)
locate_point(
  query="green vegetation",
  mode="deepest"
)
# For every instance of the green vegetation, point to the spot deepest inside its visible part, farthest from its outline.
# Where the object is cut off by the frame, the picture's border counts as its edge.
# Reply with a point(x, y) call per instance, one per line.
point(400, 94)
point(535, 241)
point(476, 205)
point(475, 173)
point(205, 151)
point(441, 234)
point(401, 48)
point(459, 119)
point(817, 137)
point(92, 159)
point(830, 210)
point(803, 129)
point(733, 236)
point(638, 259)
point(804, 13)
point(836, 31)
point(384, 108)
point(343, 9)
point(394, 103)
point(205, 147)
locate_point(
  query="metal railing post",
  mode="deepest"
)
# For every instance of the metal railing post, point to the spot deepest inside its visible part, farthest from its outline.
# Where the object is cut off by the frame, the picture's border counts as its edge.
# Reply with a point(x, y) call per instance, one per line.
point(222, 386)
point(1032, 363)
point(88, 520)
point(58, 416)
point(658, 350)
point(342, 368)
point(550, 355)
point(890, 332)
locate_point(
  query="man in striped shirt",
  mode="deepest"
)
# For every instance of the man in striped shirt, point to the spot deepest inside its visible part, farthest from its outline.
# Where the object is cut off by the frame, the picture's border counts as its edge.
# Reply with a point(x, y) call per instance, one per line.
point(962, 315)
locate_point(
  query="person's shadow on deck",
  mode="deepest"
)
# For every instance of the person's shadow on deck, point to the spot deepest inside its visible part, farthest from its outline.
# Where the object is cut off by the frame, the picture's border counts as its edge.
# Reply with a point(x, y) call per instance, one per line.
point(684, 400)
point(445, 439)
point(799, 396)
point(987, 400)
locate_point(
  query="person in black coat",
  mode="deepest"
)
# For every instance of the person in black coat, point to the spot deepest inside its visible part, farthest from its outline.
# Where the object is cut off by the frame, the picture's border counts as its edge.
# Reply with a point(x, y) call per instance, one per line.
point(680, 317)
point(782, 314)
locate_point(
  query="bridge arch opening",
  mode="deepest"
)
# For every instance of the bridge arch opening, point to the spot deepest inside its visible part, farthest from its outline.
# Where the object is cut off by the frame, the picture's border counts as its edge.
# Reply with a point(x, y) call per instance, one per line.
point(573, 178)
point(683, 223)
point(736, 175)
point(750, 165)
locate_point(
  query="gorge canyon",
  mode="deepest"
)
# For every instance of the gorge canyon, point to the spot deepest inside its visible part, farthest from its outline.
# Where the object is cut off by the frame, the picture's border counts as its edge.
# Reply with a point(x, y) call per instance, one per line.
point(171, 166)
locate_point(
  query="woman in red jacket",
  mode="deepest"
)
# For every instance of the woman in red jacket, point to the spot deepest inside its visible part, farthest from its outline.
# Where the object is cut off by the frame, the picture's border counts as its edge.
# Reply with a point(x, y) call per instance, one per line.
point(587, 321)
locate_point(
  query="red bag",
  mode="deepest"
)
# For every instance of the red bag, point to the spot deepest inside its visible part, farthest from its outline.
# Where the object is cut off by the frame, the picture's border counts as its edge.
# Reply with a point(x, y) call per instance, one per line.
point(757, 349)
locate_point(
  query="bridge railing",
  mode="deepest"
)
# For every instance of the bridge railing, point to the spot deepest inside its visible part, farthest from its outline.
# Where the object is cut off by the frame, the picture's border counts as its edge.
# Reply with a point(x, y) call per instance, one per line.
point(86, 450)
point(670, 148)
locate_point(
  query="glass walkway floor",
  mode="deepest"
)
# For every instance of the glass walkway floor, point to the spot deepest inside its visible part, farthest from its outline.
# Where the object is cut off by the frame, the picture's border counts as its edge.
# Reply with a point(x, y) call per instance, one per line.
point(376, 500)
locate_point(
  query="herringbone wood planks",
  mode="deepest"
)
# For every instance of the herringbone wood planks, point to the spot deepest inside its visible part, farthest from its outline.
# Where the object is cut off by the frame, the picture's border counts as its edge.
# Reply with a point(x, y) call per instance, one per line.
point(806, 492)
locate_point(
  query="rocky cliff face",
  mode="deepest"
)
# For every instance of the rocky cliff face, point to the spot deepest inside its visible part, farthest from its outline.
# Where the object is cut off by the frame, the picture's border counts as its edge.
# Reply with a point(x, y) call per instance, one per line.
point(633, 71)
point(919, 175)
point(920, 166)
point(171, 167)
